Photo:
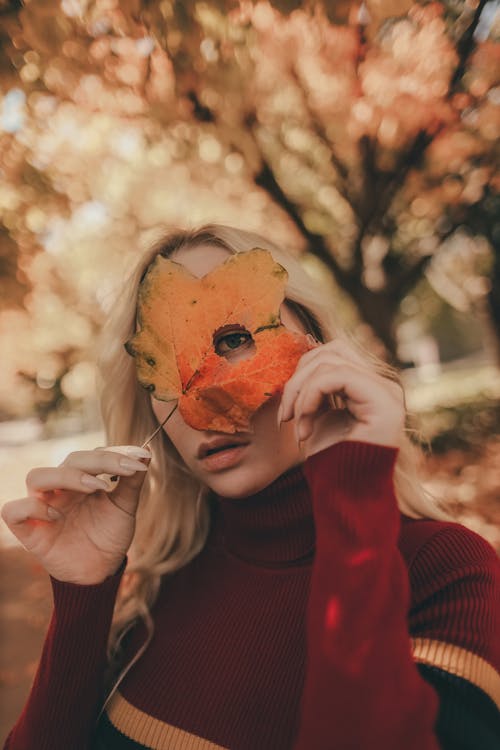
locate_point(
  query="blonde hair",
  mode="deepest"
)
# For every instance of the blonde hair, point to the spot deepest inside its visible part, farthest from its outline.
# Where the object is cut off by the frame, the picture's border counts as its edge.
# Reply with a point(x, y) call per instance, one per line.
point(173, 516)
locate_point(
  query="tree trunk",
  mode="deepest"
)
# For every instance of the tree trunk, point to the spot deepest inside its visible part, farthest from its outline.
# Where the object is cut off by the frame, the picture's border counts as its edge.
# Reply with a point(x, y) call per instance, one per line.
point(378, 309)
point(493, 302)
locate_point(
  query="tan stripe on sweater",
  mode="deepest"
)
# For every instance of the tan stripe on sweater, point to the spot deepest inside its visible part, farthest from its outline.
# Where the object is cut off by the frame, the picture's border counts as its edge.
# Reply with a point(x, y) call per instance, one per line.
point(460, 662)
point(152, 732)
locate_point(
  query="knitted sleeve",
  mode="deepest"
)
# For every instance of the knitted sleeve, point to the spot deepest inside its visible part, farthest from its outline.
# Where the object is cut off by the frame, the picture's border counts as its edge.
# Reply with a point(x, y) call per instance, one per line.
point(363, 690)
point(64, 700)
point(455, 627)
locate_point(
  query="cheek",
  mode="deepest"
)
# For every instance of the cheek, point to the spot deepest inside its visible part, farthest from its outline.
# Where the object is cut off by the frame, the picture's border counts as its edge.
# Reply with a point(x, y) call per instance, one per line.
point(161, 409)
point(178, 432)
point(290, 449)
point(278, 440)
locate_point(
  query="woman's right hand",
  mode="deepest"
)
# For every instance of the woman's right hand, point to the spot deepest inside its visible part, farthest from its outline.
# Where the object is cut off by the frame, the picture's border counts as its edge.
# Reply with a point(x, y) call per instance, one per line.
point(76, 524)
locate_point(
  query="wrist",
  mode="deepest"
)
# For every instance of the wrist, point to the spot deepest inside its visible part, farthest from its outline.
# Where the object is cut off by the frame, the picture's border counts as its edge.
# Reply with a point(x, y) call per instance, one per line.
point(89, 578)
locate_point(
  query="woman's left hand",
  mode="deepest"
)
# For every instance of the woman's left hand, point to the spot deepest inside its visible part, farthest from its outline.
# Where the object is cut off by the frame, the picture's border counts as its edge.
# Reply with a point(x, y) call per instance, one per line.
point(375, 407)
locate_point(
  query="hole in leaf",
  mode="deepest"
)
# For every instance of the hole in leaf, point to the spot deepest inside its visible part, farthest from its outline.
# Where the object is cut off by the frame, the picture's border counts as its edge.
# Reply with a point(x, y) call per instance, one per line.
point(234, 342)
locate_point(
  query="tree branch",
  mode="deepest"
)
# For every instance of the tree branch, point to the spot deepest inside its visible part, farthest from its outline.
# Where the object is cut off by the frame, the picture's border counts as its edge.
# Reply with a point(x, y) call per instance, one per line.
point(266, 180)
point(404, 282)
point(464, 48)
point(320, 132)
point(413, 157)
point(200, 111)
point(11, 6)
point(368, 203)
point(408, 160)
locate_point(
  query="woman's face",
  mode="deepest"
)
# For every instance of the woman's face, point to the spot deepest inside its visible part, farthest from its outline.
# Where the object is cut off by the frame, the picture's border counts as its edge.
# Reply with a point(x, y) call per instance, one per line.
point(260, 456)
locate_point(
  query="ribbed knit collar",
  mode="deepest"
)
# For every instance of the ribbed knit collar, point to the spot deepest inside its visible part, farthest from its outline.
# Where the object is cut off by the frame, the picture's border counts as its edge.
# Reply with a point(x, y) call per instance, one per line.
point(272, 527)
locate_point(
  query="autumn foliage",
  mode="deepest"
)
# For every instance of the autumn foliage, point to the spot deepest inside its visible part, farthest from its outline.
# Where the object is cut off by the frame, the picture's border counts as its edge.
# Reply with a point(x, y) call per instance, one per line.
point(183, 319)
point(364, 133)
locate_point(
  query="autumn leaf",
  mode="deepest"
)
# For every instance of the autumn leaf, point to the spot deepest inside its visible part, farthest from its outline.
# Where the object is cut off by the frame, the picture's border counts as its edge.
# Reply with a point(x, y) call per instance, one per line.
point(180, 318)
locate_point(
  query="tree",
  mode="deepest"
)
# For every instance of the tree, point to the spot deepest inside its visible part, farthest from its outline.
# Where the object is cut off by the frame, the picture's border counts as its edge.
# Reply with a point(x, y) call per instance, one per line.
point(362, 132)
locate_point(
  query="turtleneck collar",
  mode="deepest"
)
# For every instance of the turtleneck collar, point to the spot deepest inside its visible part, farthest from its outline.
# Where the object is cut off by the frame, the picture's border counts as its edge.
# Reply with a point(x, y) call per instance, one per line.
point(274, 527)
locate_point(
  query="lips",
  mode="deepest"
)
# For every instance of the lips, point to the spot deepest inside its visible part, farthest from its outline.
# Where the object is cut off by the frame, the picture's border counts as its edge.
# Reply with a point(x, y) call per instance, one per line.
point(218, 445)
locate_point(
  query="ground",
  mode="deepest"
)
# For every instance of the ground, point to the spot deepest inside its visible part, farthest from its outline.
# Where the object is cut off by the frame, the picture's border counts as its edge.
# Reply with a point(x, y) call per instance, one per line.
point(25, 601)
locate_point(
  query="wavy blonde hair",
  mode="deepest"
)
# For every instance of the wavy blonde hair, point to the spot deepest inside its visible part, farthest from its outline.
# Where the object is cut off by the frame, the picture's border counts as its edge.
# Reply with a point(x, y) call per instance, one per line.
point(173, 517)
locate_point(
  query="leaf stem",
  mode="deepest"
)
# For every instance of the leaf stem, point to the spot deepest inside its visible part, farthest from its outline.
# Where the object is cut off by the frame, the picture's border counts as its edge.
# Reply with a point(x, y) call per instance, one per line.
point(157, 430)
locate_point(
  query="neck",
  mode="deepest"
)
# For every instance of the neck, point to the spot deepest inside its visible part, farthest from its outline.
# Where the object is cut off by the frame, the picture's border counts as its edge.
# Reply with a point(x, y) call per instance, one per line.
point(274, 527)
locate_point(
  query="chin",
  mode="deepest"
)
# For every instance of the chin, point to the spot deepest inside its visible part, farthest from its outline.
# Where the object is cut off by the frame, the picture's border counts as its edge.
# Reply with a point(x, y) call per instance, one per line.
point(238, 485)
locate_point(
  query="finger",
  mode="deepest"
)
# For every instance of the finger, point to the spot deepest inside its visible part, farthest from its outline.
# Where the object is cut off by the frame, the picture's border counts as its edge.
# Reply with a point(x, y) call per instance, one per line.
point(353, 384)
point(365, 395)
point(115, 460)
point(304, 427)
point(295, 384)
point(46, 479)
point(311, 401)
point(126, 495)
point(341, 347)
point(347, 351)
point(17, 512)
point(79, 474)
point(137, 452)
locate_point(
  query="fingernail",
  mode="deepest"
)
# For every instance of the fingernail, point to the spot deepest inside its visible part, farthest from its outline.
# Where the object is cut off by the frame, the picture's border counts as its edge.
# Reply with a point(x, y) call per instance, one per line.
point(282, 416)
point(137, 452)
point(53, 514)
point(94, 483)
point(131, 464)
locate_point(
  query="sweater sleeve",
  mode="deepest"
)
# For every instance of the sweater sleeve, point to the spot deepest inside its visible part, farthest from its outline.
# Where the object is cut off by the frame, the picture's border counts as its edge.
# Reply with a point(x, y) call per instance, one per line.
point(362, 689)
point(455, 626)
point(63, 704)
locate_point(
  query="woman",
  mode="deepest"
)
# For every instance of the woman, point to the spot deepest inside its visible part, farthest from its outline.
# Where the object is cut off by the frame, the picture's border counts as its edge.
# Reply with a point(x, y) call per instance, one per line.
point(289, 586)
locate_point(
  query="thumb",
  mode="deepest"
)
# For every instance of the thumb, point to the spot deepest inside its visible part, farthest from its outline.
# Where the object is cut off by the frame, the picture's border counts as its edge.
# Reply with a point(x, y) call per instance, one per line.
point(128, 489)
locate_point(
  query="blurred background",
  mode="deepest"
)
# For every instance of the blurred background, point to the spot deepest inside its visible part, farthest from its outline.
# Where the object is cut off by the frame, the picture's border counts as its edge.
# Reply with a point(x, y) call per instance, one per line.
point(363, 136)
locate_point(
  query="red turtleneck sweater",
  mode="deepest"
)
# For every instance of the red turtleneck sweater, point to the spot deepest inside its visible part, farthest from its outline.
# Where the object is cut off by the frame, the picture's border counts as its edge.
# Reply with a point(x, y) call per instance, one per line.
point(312, 619)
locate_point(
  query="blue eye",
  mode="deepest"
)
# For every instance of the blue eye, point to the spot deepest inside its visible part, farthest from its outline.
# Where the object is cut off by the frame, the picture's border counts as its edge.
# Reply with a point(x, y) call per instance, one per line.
point(232, 341)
